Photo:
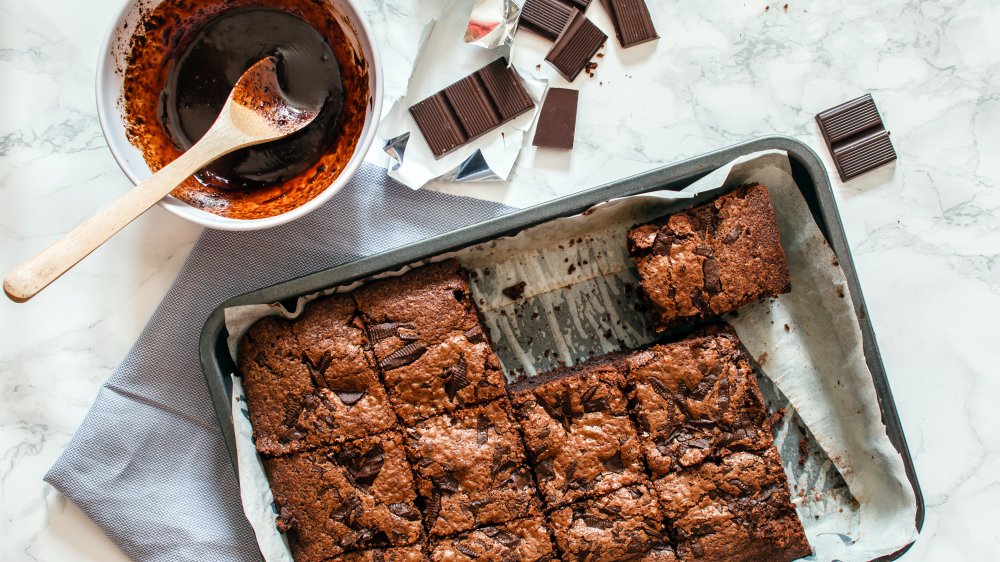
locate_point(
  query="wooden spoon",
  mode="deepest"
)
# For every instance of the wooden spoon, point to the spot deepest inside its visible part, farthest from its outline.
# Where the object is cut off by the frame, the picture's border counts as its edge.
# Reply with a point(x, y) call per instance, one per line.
point(256, 112)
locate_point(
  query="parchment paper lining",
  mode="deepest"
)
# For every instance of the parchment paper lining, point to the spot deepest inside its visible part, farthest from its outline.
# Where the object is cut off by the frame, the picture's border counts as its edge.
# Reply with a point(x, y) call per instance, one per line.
point(848, 482)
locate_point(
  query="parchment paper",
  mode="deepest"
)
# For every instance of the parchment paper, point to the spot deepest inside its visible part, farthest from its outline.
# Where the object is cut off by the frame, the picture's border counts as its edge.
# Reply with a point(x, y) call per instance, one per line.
point(848, 482)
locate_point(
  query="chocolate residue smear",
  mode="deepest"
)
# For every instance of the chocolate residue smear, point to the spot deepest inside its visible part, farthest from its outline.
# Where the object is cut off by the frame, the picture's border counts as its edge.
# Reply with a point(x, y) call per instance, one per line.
point(185, 59)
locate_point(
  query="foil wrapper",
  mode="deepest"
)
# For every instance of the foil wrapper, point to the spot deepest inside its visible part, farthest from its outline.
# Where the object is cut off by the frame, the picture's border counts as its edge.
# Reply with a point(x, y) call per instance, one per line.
point(492, 23)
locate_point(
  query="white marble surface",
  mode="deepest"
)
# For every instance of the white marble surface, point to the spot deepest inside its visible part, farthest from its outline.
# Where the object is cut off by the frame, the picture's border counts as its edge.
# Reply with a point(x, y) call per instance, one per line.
point(925, 232)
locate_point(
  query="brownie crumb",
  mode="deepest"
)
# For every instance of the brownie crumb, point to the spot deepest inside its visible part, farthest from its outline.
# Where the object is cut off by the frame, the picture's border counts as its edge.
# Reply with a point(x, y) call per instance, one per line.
point(515, 291)
point(787, 329)
point(571, 269)
point(762, 359)
point(803, 451)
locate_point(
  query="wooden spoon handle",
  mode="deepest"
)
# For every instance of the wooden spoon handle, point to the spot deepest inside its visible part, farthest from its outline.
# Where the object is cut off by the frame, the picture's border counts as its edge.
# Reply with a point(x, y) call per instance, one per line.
point(37, 273)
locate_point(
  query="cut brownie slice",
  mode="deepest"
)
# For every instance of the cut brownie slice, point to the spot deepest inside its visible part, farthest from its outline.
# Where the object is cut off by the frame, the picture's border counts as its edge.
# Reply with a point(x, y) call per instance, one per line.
point(311, 382)
point(524, 540)
point(429, 343)
point(354, 496)
point(579, 436)
point(736, 510)
point(470, 467)
point(623, 525)
point(711, 259)
point(695, 399)
point(456, 372)
point(413, 553)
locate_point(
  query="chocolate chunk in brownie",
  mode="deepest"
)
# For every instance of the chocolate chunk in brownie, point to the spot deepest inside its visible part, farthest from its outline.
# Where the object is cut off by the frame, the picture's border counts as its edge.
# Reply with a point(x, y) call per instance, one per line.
point(414, 553)
point(579, 437)
point(353, 496)
point(523, 540)
point(626, 524)
point(696, 399)
point(734, 510)
point(711, 259)
point(470, 468)
point(431, 348)
point(311, 382)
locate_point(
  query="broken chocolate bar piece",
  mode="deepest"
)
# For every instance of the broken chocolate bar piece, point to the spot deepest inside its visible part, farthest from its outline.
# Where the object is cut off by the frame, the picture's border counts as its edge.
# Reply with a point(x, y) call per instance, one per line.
point(546, 17)
point(856, 137)
point(575, 46)
point(471, 107)
point(633, 24)
point(557, 120)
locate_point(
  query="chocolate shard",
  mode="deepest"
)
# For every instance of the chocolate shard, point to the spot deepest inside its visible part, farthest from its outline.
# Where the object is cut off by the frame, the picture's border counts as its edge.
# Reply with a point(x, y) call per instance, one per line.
point(856, 136)
point(575, 46)
point(471, 107)
point(545, 17)
point(633, 24)
point(557, 120)
point(403, 356)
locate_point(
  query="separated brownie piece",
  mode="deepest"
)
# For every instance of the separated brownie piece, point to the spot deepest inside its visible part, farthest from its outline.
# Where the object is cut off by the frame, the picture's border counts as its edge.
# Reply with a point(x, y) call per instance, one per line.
point(413, 553)
point(429, 343)
point(354, 496)
point(711, 259)
point(695, 399)
point(470, 467)
point(734, 510)
point(524, 540)
point(311, 382)
point(576, 427)
point(623, 525)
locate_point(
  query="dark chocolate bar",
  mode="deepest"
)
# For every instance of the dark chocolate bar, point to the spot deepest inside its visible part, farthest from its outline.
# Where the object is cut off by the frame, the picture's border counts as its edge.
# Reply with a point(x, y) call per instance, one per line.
point(575, 46)
point(471, 107)
point(545, 17)
point(633, 24)
point(856, 137)
point(557, 119)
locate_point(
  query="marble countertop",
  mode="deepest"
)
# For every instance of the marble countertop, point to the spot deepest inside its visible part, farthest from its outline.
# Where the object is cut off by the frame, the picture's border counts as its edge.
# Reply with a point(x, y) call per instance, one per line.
point(925, 232)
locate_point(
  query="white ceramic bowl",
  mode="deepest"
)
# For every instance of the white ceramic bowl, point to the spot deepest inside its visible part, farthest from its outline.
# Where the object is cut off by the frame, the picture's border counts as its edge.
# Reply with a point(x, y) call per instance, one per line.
point(109, 111)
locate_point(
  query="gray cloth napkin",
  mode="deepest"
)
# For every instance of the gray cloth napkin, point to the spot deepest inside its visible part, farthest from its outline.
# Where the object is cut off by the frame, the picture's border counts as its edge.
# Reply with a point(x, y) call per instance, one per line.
point(148, 464)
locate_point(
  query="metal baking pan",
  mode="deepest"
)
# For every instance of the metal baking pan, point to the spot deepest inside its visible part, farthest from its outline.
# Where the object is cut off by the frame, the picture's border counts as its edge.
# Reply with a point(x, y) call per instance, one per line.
point(808, 172)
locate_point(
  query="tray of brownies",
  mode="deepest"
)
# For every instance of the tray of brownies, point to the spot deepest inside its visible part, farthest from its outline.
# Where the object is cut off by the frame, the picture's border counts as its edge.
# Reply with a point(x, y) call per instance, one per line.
point(676, 366)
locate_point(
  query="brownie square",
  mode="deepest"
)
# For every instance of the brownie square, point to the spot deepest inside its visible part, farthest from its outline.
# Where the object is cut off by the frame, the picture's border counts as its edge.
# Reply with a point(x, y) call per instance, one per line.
point(577, 431)
point(414, 553)
point(354, 496)
point(711, 259)
point(523, 540)
point(734, 510)
point(696, 399)
point(470, 468)
point(429, 343)
point(311, 382)
point(456, 372)
point(626, 524)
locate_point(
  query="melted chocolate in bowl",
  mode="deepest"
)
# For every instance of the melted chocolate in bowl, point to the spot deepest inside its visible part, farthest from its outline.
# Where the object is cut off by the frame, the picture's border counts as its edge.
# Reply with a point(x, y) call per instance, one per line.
point(205, 74)
point(184, 62)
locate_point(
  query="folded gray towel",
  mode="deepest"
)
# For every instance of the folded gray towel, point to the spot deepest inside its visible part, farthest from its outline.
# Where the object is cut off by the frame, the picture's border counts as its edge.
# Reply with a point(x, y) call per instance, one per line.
point(149, 465)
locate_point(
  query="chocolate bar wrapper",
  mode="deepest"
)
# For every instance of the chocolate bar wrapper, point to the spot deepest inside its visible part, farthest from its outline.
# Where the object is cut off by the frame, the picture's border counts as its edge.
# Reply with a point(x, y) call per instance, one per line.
point(492, 23)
